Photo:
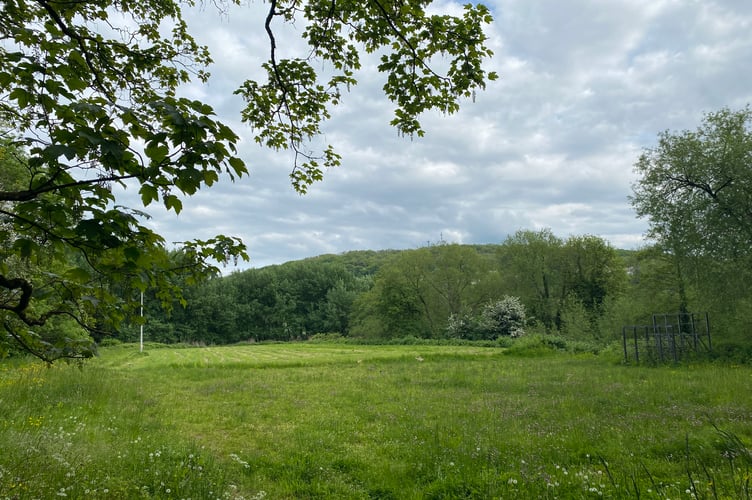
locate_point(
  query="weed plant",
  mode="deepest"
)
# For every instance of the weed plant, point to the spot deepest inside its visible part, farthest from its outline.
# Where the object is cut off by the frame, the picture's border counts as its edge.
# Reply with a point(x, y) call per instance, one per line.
point(350, 421)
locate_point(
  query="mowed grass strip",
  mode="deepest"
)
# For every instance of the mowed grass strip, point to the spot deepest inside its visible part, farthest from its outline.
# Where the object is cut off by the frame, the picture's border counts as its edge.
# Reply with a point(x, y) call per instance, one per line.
point(339, 421)
point(271, 355)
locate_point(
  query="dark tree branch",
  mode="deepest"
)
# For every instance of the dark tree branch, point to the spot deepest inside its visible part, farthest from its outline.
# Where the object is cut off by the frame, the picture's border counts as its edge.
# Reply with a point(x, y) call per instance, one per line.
point(407, 43)
point(273, 44)
point(30, 194)
point(23, 301)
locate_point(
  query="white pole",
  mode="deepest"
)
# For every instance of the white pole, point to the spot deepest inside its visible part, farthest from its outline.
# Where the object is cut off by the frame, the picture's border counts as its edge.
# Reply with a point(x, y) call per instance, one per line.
point(142, 321)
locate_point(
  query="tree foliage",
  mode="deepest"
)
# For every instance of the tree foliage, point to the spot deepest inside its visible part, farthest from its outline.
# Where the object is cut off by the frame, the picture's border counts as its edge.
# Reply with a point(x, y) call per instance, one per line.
point(287, 109)
point(694, 187)
point(398, 294)
point(286, 302)
point(90, 92)
point(548, 273)
point(418, 290)
point(530, 262)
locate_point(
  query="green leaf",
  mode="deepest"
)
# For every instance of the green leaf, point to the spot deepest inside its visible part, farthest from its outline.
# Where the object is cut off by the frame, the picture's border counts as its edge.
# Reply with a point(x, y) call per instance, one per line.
point(238, 165)
point(78, 274)
point(76, 60)
point(173, 202)
point(21, 96)
point(132, 253)
point(156, 152)
point(25, 248)
point(149, 193)
point(56, 150)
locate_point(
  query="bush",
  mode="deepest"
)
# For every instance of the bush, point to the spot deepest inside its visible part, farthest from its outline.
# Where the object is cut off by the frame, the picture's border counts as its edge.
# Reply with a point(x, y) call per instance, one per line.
point(465, 326)
point(505, 317)
point(541, 344)
point(109, 342)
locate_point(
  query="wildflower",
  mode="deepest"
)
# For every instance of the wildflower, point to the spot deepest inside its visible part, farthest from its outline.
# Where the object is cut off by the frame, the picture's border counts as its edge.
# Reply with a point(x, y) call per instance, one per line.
point(240, 460)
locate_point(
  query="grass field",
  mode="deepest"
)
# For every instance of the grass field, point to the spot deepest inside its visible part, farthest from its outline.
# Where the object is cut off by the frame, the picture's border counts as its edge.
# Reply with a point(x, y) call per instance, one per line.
point(345, 421)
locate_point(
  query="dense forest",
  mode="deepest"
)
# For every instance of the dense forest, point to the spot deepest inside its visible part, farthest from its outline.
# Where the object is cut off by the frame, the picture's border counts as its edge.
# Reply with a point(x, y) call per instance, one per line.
point(578, 288)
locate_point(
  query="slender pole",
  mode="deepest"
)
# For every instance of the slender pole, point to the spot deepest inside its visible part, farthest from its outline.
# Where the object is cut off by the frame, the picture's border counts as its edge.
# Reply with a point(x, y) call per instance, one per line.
point(142, 322)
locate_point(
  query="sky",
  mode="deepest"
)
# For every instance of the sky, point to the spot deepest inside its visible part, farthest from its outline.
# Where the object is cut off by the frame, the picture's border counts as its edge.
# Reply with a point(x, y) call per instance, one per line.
point(584, 87)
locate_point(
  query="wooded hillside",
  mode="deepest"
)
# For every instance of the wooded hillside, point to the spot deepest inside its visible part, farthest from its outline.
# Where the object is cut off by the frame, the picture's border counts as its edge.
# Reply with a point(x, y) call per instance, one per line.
point(579, 288)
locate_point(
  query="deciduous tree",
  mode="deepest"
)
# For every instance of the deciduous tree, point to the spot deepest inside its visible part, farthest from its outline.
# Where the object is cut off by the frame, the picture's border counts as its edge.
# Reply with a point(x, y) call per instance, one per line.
point(694, 187)
point(91, 92)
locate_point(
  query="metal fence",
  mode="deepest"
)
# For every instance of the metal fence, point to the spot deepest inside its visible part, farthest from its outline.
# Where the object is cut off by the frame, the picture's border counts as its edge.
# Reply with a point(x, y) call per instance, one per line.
point(670, 337)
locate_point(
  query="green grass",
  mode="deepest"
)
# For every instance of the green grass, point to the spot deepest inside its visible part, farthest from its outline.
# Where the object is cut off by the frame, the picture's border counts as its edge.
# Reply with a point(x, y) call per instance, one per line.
point(343, 421)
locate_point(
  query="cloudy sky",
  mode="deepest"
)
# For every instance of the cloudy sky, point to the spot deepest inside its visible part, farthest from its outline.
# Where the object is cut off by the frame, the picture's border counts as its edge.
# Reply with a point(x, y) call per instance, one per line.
point(584, 86)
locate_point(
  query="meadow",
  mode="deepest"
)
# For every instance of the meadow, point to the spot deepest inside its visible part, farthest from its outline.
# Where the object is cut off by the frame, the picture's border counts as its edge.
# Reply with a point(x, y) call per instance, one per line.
point(353, 421)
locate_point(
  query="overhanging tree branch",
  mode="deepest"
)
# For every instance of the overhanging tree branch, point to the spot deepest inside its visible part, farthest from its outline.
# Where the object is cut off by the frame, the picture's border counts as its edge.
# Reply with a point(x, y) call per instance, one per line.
point(30, 194)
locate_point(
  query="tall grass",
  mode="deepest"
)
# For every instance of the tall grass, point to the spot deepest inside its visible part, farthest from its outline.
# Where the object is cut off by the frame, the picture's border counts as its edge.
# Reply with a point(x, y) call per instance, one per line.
point(339, 421)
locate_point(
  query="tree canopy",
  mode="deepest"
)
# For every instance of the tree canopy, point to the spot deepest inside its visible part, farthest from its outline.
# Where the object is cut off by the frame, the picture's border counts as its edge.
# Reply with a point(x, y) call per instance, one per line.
point(695, 186)
point(90, 98)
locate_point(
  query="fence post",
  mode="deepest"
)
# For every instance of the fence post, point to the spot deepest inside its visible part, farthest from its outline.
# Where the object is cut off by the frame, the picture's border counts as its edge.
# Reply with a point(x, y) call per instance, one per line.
point(694, 331)
point(672, 340)
point(707, 329)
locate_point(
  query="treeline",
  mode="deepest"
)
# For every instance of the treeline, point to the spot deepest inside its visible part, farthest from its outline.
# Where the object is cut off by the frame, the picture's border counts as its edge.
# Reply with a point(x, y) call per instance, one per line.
point(579, 287)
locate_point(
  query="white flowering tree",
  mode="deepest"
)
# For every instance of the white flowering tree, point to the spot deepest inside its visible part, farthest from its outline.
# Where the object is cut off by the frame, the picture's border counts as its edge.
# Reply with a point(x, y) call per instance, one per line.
point(504, 317)
point(501, 318)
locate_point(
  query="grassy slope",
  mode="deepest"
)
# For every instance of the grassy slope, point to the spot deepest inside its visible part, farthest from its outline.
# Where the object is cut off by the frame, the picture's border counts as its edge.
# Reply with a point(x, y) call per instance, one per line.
point(326, 421)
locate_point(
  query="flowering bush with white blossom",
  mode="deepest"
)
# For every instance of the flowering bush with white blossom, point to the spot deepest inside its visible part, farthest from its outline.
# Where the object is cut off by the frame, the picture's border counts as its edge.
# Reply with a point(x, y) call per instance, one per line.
point(505, 317)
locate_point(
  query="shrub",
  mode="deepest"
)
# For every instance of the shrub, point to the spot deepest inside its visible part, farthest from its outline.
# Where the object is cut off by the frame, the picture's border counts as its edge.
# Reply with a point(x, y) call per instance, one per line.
point(110, 342)
point(504, 317)
point(465, 326)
